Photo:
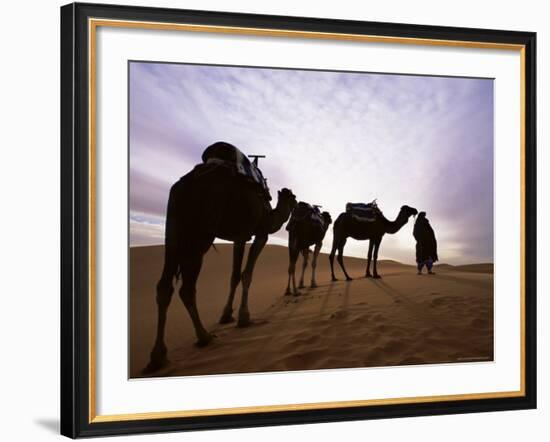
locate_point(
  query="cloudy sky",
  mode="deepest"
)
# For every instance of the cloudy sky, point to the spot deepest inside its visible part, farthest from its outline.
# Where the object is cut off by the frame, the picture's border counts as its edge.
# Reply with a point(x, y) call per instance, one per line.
point(332, 137)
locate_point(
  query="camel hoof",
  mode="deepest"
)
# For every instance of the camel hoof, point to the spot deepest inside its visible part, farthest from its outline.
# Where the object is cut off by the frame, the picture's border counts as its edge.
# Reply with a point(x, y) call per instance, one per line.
point(288, 293)
point(158, 360)
point(368, 275)
point(205, 340)
point(334, 279)
point(313, 285)
point(244, 318)
point(245, 322)
point(377, 277)
point(226, 319)
point(155, 365)
point(348, 278)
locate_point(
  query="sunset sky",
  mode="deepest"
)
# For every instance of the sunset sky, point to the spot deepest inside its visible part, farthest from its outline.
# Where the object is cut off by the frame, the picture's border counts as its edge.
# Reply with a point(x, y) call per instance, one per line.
point(331, 137)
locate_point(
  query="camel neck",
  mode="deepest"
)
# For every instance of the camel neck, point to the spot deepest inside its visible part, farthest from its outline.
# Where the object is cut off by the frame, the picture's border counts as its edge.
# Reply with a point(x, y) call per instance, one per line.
point(395, 225)
point(278, 216)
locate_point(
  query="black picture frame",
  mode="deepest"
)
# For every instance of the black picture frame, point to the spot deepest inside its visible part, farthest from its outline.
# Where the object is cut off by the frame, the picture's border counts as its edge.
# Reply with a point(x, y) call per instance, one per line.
point(75, 219)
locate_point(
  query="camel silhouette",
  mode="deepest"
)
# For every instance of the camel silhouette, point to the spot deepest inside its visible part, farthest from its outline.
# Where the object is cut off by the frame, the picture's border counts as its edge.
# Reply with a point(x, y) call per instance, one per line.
point(212, 202)
point(306, 227)
point(348, 226)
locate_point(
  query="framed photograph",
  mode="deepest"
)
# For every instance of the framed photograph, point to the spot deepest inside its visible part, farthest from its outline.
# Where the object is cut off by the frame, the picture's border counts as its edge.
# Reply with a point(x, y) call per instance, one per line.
point(273, 220)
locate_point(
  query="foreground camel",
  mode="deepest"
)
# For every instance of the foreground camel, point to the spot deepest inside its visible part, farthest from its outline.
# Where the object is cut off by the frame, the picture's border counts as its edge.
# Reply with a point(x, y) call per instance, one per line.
point(348, 226)
point(305, 230)
point(207, 203)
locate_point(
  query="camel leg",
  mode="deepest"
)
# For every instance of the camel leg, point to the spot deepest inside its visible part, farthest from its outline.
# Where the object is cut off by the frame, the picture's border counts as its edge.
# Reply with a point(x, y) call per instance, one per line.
point(255, 250)
point(314, 264)
point(331, 259)
point(293, 254)
point(188, 291)
point(340, 259)
point(369, 258)
point(287, 291)
point(165, 290)
point(375, 258)
point(295, 290)
point(305, 254)
point(238, 253)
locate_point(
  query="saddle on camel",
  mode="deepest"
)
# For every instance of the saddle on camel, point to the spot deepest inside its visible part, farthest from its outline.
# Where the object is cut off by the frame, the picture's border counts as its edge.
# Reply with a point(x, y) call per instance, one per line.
point(368, 212)
point(226, 156)
point(304, 211)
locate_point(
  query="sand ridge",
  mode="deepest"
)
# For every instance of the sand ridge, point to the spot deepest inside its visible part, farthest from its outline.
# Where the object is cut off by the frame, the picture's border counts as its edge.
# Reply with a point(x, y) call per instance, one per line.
point(398, 320)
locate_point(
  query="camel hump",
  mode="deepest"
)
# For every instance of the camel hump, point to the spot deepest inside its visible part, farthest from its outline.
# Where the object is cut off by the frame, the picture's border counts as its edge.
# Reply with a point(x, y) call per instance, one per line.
point(225, 152)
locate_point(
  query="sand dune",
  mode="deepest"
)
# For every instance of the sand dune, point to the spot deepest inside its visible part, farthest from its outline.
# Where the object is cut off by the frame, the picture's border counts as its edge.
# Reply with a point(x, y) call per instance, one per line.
point(400, 319)
point(485, 267)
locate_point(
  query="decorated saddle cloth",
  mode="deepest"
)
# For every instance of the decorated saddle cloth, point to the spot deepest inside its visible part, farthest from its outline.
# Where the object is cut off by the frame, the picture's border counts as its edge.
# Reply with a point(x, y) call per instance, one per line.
point(304, 211)
point(368, 212)
point(227, 155)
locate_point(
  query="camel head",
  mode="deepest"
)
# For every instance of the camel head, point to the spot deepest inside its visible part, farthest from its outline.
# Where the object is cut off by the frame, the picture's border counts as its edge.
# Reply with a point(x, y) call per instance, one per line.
point(407, 211)
point(327, 218)
point(286, 201)
point(286, 198)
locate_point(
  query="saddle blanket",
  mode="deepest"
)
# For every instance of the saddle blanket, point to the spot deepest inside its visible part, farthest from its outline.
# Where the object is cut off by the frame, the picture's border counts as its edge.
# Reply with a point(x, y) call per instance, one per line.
point(363, 212)
point(303, 211)
point(222, 153)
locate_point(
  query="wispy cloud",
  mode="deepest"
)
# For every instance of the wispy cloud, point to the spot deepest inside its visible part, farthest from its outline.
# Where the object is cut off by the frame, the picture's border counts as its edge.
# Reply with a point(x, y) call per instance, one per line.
point(331, 137)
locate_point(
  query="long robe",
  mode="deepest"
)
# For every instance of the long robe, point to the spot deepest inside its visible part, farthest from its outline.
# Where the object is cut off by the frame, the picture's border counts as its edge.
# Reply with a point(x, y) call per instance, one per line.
point(426, 244)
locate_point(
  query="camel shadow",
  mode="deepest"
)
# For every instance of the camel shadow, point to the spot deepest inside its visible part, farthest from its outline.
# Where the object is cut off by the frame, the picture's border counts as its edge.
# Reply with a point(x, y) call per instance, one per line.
point(416, 309)
point(320, 286)
point(292, 307)
point(396, 295)
point(389, 275)
point(345, 299)
point(328, 294)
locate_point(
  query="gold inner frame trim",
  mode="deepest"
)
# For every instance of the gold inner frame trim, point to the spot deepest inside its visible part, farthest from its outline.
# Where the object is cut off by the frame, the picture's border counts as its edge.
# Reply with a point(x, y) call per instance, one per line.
point(92, 28)
point(300, 34)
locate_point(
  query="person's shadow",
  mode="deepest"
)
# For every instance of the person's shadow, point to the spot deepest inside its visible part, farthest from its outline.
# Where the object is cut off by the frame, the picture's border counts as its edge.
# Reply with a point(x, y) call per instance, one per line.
point(49, 424)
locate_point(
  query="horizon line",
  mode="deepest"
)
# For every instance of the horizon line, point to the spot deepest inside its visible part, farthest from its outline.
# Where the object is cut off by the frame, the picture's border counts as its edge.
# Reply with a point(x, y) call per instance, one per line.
point(324, 253)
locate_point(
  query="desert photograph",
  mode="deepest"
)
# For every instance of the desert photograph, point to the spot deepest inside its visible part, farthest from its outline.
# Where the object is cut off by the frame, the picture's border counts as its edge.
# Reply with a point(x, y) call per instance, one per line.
point(287, 219)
